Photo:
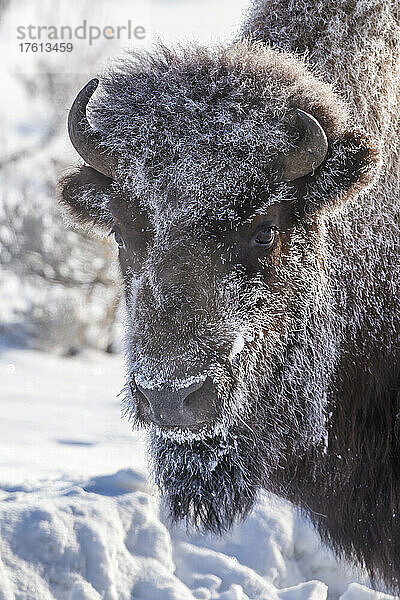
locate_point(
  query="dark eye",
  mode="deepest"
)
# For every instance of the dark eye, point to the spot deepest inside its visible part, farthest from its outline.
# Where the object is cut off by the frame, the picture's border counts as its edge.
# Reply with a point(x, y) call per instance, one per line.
point(264, 237)
point(117, 237)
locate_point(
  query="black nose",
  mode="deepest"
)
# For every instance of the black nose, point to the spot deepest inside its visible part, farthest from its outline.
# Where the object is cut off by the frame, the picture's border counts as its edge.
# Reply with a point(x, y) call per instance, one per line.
point(185, 407)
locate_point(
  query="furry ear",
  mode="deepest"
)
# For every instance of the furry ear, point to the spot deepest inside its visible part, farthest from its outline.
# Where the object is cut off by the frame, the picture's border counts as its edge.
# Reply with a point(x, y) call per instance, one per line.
point(351, 164)
point(85, 193)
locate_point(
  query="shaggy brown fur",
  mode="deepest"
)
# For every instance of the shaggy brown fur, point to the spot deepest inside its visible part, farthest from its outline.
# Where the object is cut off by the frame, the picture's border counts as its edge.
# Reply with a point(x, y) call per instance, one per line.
point(356, 46)
point(301, 342)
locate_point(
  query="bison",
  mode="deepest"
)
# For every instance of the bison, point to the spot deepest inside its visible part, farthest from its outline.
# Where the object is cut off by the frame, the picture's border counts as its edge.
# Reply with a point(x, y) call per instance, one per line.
point(253, 191)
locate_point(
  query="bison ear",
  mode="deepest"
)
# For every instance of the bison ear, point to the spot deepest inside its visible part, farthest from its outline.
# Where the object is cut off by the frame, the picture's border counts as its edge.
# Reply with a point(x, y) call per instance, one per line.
point(84, 193)
point(350, 165)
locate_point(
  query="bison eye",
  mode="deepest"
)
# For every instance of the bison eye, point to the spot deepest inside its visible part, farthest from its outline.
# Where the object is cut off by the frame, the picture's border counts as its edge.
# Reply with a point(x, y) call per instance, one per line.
point(117, 237)
point(265, 236)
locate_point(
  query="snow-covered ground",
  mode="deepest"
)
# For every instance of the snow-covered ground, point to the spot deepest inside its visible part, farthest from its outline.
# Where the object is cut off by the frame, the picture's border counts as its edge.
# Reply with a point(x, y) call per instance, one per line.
point(80, 518)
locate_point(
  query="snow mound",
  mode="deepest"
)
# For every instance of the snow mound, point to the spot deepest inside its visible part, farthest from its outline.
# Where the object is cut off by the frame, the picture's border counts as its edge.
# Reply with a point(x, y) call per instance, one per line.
point(124, 481)
point(79, 545)
point(105, 539)
point(356, 591)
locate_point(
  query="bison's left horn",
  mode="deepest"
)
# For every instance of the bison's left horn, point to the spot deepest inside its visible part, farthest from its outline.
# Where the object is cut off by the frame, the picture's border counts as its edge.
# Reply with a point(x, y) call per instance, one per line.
point(85, 140)
point(311, 150)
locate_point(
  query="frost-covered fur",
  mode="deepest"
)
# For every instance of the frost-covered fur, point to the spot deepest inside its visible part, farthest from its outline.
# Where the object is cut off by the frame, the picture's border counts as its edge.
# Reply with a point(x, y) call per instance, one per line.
point(308, 399)
point(356, 484)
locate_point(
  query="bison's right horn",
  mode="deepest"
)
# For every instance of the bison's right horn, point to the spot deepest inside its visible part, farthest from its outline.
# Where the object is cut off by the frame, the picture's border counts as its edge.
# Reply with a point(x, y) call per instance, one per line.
point(309, 153)
point(84, 139)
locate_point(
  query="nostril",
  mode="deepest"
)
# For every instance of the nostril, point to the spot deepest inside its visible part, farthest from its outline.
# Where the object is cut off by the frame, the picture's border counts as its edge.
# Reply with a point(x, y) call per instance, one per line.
point(201, 402)
point(143, 398)
point(143, 408)
point(191, 389)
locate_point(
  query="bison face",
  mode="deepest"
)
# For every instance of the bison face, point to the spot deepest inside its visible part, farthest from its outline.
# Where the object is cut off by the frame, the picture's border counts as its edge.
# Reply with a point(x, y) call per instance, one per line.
point(217, 173)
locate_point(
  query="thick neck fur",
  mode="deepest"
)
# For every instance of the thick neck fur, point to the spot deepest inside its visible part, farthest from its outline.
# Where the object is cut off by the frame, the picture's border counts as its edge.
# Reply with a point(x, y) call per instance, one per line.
point(353, 44)
point(355, 482)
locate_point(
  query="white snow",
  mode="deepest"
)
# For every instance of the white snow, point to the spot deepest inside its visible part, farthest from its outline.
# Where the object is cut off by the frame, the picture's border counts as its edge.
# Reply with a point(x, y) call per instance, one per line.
point(238, 345)
point(176, 384)
point(80, 518)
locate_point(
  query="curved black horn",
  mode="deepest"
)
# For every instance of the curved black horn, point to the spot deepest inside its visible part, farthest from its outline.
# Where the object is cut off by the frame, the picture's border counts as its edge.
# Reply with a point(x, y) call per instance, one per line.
point(84, 139)
point(309, 153)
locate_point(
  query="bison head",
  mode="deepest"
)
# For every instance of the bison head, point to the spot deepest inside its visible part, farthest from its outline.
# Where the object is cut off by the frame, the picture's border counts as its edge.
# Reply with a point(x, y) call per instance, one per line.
point(217, 172)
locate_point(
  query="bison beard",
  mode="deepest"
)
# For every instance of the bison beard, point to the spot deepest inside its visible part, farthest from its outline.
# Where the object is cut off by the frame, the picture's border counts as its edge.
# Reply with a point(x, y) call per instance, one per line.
point(212, 482)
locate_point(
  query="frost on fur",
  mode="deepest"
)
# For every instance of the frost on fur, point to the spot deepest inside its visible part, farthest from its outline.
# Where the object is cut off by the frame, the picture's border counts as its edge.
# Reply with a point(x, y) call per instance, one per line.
point(300, 342)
